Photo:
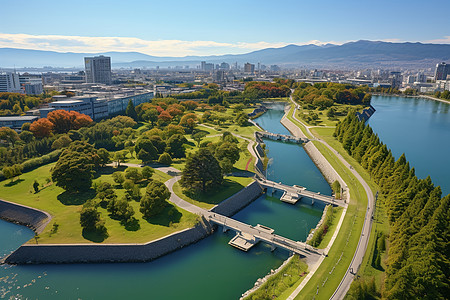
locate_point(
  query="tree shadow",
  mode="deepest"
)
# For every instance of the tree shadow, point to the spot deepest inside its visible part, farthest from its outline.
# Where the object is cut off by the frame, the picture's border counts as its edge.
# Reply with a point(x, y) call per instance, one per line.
point(217, 194)
point(13, 183)
point(168, 216)
point(132, 224)
point(108, 170)
point(96, 236)
point(68, 198)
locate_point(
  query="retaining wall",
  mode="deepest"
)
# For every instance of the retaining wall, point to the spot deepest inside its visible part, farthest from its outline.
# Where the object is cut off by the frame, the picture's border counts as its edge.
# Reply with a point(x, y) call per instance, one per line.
point(101, 253)
point(239, 200)
point(24, 215)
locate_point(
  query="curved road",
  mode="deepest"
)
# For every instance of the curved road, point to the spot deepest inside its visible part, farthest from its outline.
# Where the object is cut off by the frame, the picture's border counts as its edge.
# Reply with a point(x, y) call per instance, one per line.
point(346, 281)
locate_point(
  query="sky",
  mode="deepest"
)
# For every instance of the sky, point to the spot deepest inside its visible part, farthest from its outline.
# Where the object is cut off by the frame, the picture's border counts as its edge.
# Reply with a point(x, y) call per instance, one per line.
point(199, 27)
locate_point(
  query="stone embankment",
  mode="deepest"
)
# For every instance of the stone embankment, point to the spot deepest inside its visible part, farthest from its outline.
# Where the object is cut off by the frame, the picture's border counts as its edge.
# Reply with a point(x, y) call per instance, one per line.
point(102, 253)
point(20, 214)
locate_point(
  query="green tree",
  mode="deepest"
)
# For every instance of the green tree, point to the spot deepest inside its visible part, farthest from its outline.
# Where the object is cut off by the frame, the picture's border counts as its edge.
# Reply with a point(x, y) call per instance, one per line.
point(75, 167)
point(165, 159)
point(147, 172)
point(202, 171)
point(242, 119)
point(9, 135)
point(175, 146)
point(131, 111)
point(154, 200)
point(151, 115)
point(90, 220)
point(36, 186)
point(198, 136)
point(62, 142)
point(104, 156)
point(118, 177)
point(26, 136)
point(105, 193)
point(120, 156)
point(133, 174)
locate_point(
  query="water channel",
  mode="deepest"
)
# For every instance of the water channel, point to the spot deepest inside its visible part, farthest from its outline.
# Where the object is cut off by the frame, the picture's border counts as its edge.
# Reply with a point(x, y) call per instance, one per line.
point(210, 269)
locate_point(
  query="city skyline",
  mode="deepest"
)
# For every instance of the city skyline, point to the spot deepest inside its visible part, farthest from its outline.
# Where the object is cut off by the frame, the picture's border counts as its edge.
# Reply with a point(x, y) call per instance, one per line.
point(204, 28)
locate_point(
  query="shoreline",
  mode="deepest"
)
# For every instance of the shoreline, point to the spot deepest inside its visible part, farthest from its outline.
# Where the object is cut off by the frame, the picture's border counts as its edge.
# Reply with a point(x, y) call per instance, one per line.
point(428, 97)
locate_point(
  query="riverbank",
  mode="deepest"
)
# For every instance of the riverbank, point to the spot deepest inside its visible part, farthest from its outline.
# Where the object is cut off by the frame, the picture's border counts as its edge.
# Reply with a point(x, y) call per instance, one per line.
point(413, 96)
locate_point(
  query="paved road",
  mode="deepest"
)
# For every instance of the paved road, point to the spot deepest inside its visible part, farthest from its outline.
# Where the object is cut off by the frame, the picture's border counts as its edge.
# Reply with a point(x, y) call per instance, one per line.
point(367, 226)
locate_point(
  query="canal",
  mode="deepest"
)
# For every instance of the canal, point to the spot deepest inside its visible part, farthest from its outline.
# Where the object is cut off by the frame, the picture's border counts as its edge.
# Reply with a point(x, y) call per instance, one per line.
point(209, 269)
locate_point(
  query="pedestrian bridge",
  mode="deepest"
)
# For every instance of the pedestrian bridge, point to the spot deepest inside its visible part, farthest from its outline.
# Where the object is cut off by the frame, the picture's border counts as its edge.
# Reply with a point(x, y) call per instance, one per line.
point(247, 236)
point(280, 137)
point(292, 194)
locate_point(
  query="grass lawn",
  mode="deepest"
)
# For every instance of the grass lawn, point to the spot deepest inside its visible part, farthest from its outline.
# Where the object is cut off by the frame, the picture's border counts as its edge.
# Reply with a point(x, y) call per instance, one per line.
point(327, 237)
point(323, 120)
point(341, 253)
point(282, 284)
point(65, 210)
point(209, 199)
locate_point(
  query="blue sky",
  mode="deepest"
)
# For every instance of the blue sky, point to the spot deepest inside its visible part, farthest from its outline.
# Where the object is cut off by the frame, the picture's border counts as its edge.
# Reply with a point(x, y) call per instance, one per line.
point(198, 27)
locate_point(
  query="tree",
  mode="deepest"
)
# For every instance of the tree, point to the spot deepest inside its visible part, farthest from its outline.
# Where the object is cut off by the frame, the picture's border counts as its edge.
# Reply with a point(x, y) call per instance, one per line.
point(9, 135)
point(90, 219)
point(36, 186)
point(147, 172)
point(105, 192)
point(63, 120)
point(131, 111)
point(121, 209)
point(12, 171)
point(227, 150)
point(202, 171)
point(26, 136)
point(120, 156)
point(242, 119)
point(175, 146)
point(154, 200)
point(41, 128)
point(75, 167)
point(104, 156)
point(151, 115)
point(62, 142)
point(198, 136)
point(133, 174)
point(118, 177)
point(165, 159)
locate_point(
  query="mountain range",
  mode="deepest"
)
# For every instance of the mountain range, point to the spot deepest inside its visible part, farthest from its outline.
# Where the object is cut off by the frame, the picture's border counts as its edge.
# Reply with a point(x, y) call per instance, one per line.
point(349, 55)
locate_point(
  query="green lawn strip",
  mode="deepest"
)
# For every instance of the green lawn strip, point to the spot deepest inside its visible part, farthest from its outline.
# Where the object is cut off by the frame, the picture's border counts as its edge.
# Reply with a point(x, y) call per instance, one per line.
point(65, 211)
point(327, 237)
point(209, 199)
point(283, 283)
point(323, 120)
point(380, 224)
point(350, 229)
point(299, 125)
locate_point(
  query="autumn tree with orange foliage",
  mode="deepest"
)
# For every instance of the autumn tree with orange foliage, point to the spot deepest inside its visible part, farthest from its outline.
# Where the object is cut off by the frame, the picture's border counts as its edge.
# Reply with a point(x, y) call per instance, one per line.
point(64, 121)
point(41, 128)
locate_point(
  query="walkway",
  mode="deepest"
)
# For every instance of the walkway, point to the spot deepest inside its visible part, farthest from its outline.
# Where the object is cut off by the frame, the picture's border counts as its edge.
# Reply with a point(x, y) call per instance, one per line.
point(346, 281)
point(302, 192)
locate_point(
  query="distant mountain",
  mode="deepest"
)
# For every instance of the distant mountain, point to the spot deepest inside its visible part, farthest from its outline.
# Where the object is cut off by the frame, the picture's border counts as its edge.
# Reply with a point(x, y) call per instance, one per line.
point(350, 55)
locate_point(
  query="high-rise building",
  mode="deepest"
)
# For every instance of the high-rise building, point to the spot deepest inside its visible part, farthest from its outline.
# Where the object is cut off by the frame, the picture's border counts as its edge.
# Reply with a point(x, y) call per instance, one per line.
point(10, 82)
point(98, 69)
point(442, 70)
point(32, 85)
point(207, 66)
point(249, 68)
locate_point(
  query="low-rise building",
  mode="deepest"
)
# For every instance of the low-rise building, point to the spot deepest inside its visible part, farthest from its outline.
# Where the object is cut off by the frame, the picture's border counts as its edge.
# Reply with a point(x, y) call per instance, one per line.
point(16, 122)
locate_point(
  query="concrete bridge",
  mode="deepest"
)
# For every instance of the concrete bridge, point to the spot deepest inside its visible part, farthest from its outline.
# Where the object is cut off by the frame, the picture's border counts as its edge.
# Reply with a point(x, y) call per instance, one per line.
point(280, 137)
point(295, 193)
point(247, 236)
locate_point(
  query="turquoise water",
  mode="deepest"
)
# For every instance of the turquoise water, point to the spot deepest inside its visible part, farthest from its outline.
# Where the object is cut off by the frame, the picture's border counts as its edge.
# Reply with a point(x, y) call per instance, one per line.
point(209, 269)
point(420, 128)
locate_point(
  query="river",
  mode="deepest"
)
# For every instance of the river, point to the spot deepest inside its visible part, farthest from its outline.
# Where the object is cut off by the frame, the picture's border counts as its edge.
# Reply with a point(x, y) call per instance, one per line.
point(420, 128)
point(209, 269)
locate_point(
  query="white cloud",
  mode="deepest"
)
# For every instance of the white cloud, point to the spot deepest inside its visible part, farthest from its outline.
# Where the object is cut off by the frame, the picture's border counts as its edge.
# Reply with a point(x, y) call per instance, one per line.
point(62, 43)
point(444, 40)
